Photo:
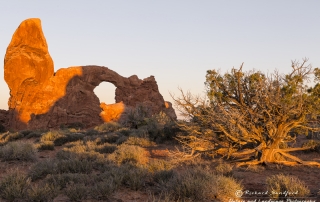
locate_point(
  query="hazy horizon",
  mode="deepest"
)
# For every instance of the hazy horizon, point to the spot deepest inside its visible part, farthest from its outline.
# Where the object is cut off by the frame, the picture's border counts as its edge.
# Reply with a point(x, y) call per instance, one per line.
point(174, 41)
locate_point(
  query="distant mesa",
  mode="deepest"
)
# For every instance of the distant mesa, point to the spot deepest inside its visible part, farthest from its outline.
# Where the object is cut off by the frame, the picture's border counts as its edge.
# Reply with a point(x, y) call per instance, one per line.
point(42, 98)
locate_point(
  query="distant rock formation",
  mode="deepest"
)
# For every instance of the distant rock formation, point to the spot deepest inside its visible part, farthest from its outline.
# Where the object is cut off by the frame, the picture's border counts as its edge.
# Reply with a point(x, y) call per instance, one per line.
point(40, 98)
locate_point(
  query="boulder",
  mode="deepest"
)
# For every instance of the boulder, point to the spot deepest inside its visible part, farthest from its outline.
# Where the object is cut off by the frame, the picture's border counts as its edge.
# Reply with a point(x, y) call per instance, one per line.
point(40, 98)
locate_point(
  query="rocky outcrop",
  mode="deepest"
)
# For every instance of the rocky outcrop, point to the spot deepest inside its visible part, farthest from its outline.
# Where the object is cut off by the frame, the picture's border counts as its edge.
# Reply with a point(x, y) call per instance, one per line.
point(112, 112)
point(3, 119)
point(40, 98)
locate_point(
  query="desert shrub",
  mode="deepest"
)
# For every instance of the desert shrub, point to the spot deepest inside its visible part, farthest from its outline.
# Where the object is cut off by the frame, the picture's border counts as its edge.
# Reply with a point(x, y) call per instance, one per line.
point(76, 192)
point(102, 190)
point(106, 148)
point(69, 137)
point(25, 132)
point(14, 186)
point(155, 165)
point(280, 183)
point(110, 138)
point(35, 134)
point(163, 176)
point(121, 140)
point(85, 150)
point(61, 180)
point(74, 166)
point(91, 132)
point(23, 151)
point(124, 131)
point(129, 154)
point(313, 144)
point(137, 117)
point(108, 127)
point(224, 187)
point(43, 168)
point(65, 155)
point(161, 128)
point(42, 192)
point(133, 177)
point(45, 145)
point(224, 169)
point(139, 141)
point(198, 184)
point(9, 136)
point(51, 135)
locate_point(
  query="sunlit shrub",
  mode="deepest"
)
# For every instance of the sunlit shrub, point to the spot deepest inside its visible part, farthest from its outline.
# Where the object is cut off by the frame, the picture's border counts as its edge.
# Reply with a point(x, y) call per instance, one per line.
point(278, 184)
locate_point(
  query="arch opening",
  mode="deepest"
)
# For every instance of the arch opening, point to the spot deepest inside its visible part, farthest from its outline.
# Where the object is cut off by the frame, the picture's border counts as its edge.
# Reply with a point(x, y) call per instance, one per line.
point(106, 92)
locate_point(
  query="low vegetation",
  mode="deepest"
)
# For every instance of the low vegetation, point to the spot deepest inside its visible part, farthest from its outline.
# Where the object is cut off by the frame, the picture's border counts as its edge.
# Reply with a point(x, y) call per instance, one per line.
point(244, 128)
point(286, 186)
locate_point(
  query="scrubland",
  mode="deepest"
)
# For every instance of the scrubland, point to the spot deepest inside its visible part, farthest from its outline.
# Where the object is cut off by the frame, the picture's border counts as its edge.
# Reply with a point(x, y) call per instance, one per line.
point(113, 162)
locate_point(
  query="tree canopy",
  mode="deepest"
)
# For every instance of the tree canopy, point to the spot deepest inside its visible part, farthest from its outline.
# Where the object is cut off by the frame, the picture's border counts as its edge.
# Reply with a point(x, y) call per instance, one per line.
point(252, 117)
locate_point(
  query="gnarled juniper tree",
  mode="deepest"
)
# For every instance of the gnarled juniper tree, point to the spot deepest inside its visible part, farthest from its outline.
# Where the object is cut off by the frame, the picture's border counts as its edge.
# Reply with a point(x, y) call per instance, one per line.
point(251, 116)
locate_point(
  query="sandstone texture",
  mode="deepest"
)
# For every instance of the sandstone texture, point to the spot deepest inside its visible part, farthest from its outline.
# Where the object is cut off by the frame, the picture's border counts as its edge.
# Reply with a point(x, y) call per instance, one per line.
point(42, 98)
point(112, 112)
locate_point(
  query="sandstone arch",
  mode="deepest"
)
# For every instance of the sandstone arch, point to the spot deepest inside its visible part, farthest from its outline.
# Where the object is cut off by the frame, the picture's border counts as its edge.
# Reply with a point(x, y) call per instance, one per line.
point(41, 98)
point(106, 92)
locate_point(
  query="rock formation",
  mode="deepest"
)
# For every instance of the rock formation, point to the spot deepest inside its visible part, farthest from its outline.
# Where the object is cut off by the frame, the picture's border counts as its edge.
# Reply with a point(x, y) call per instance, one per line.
point(40, 98)
point(112, 112)
point(3, 118)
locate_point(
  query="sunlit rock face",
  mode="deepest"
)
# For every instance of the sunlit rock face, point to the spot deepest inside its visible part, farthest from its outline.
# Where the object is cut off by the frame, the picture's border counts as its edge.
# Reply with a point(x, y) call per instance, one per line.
point(27, 67)
point(112, 112)
point(40, 98)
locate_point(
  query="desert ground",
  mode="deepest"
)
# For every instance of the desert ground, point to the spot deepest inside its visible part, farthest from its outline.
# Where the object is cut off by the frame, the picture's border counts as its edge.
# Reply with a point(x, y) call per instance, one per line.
point(115, 163)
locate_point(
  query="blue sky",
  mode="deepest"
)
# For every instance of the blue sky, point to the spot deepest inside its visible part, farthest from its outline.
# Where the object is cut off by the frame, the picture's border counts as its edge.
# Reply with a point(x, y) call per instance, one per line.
point(176, 41)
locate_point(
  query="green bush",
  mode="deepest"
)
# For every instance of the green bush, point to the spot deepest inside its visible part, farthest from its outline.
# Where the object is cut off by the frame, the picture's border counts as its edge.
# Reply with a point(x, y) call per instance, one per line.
point(278, 184)
point(22, 151)
point(14, 186)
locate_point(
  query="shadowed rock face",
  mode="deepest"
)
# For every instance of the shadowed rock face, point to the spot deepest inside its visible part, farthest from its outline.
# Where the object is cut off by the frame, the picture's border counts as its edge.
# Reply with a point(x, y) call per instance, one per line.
point(40, 98)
